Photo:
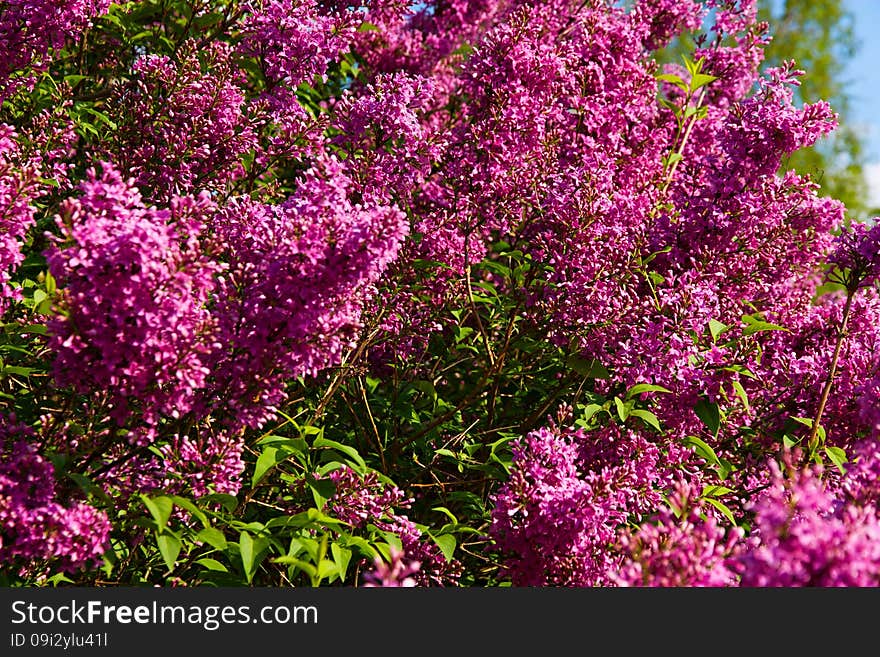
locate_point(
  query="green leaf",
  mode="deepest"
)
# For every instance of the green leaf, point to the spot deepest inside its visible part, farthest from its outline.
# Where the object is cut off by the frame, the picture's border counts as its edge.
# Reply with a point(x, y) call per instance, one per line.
point(304, 566)
point(38, 329)
point(103, 118)
point(212, 564)
point(710, 415)
point(699, 80)
point(702, 449)
point(269, 457)
point(716, 328)
point(639, 388)
point(673, 79)
point(160, 508)
point(19, 371)
point(228, 502)
point(648, 417)
point(252, 552)
point(837, 456)
point(74, 79)
point(789, 442)
point(446, 543)
point(342, 557)
point(322, 490)
point(723, 508)
point(754, 325)
point(351, 452)
point(213, 537)
point(169, 547)
point(588, 411)
point(197, 513)
point(327, 568)
point(623, 410)
point(808, 422)
point(446, 512)
point(741, 393)
point(672, 158)
point(716, 491)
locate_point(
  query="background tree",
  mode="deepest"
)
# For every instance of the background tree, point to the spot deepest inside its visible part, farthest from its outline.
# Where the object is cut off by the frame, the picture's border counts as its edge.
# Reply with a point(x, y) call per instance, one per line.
point(819, 36)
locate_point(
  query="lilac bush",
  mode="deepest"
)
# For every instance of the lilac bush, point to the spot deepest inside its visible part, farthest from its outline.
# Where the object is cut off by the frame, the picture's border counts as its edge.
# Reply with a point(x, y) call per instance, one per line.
point(462, 293)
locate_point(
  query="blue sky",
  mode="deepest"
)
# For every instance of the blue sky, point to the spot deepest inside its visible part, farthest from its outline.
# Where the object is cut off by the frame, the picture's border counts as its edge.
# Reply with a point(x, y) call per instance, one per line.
point(863, 74)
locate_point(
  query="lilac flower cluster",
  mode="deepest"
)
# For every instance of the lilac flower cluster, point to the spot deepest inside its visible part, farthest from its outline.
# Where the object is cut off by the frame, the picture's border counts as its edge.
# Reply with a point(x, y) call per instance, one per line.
point(185, 128)
point(857, 253)
point(16, 212)
point(685, 546)
point(397, 573)
point(34, 524)
point(557, 517)
point(294, 40)
point(804, 535)
point(289, 302)
point(136, 284)
point(29, 29)
point(359, 500)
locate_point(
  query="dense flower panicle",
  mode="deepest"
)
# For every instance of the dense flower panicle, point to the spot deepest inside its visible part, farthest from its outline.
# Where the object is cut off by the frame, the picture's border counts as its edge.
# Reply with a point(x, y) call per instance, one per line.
point(297, 275)
point(799, 362)
point(136, 285)
point(34, 524)
point(857, 253)
point(359, 500)
point(16, 213)
point(209, 463)
point(684, 546)
point(735, 65)
point(294, 40)
point(29, 29)
point(804, 535)
point(557, 517)
point(185, 126)
point(547, 519)
point(390, 149)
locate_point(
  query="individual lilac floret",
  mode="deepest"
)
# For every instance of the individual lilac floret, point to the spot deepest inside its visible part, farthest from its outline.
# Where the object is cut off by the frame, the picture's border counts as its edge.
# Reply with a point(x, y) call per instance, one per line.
point(398, 572)
point(34, 524)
